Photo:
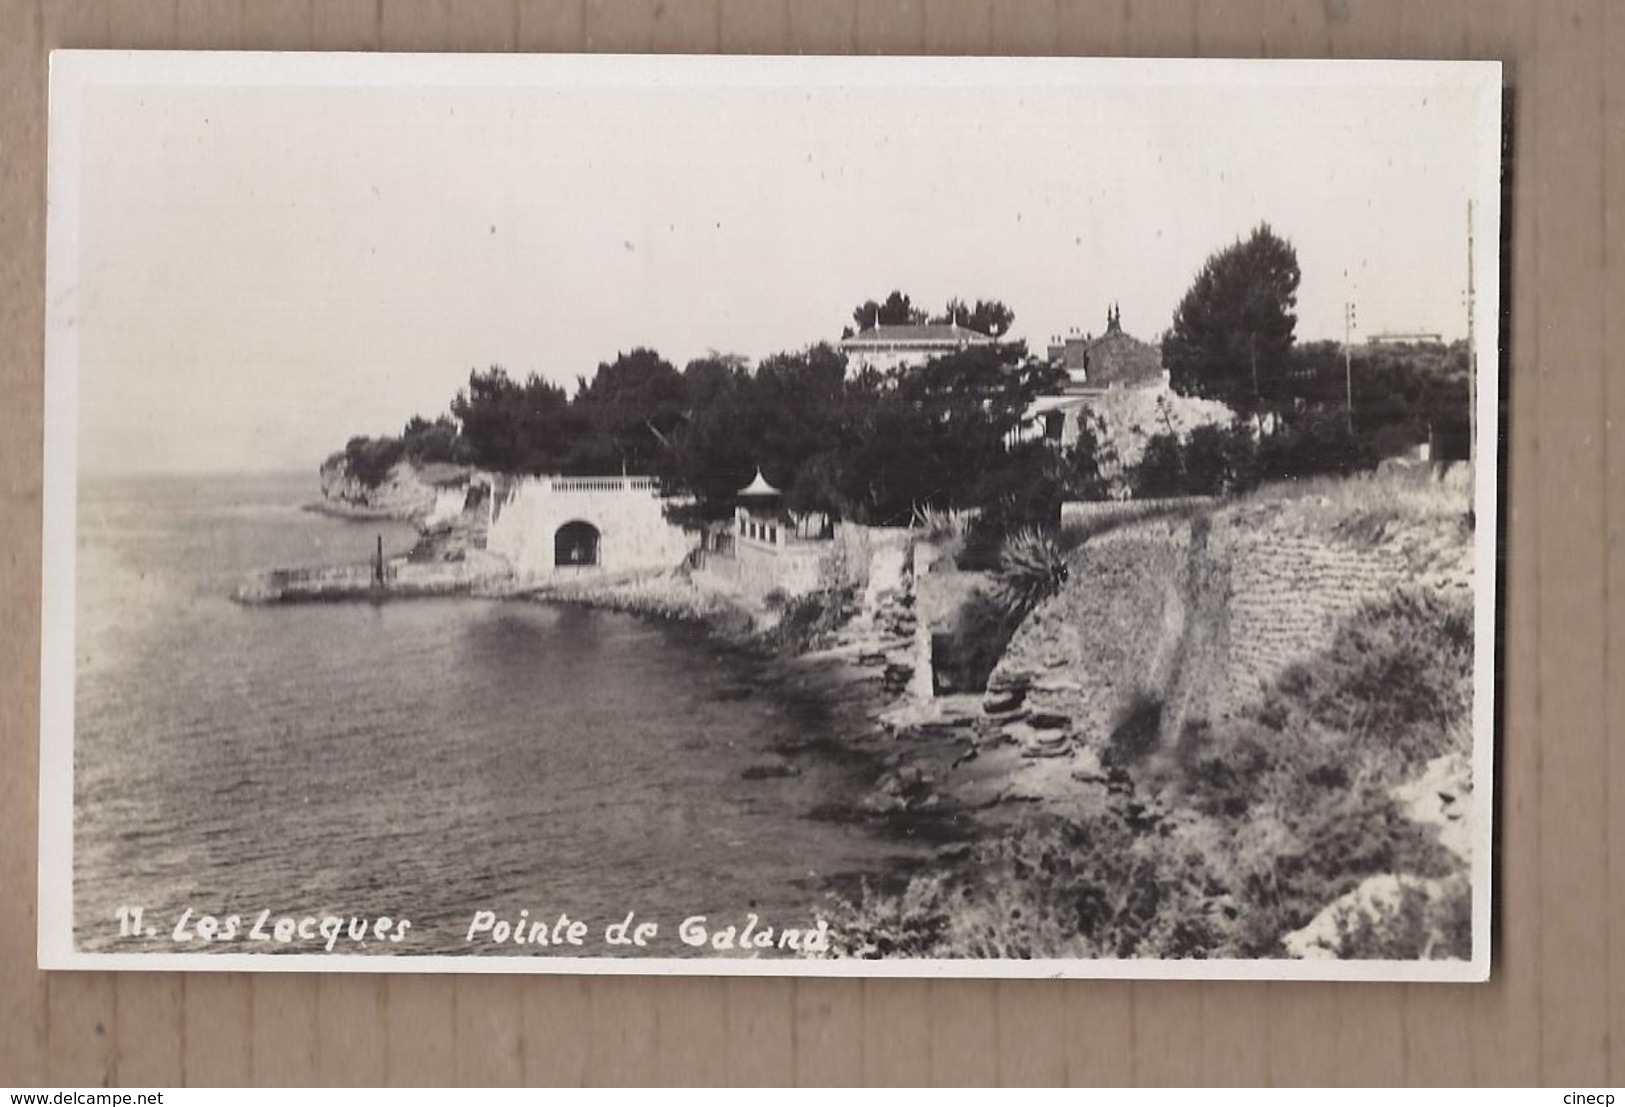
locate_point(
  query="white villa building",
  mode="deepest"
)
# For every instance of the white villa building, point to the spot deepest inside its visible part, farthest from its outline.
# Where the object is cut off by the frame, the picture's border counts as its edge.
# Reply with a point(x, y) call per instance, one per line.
point(885, 346)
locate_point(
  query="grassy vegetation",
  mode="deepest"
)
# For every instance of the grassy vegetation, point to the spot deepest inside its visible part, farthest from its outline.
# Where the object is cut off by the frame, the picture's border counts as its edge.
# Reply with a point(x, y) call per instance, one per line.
point(1412, 496)
point(1078, 529)
point(805, 621)
point(1102, 885)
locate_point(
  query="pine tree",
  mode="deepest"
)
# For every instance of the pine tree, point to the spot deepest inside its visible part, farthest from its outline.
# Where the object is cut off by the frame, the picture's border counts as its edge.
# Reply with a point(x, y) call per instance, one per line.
point(1232, 333)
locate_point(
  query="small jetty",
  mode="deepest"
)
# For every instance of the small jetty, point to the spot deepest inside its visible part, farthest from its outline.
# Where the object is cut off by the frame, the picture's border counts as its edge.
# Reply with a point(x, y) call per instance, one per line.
point(355, 582)
point(400, 577)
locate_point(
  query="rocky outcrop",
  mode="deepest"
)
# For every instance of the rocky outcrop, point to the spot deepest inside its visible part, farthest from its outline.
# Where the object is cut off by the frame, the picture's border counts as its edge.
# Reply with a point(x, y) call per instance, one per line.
point(1441, 797)
point(1110, 634)
point(1128, 418)
point(406, 492)
point(884, 635)
point(1399, 915)
point(1390, 917)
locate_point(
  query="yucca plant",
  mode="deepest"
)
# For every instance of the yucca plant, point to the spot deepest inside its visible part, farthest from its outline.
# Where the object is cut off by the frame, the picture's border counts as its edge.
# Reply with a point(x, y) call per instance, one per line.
point(1032, 568)
point(941, 524)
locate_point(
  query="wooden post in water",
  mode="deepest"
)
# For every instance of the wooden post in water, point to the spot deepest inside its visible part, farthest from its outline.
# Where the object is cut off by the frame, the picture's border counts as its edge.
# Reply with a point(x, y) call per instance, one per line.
point(378, 564)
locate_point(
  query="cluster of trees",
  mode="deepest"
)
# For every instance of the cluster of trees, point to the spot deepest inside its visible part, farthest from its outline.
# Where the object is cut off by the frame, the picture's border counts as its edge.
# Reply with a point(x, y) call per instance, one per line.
point(421, 441)
point(872, 447)
point(991, 317)
point(1302, 409)
point(1402, 395)
point(1220, 460)
point(617, 422)
point(879, 447)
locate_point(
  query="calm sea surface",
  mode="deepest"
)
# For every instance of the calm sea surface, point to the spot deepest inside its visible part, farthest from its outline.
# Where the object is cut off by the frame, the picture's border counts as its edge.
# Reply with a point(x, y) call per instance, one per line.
point(420, 759)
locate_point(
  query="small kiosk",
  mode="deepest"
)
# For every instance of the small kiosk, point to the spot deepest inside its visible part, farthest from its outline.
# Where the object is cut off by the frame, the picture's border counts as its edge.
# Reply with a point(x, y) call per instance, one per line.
point(758, 515)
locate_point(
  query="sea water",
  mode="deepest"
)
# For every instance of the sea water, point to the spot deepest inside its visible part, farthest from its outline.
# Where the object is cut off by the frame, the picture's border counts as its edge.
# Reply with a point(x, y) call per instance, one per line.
point(422, 759)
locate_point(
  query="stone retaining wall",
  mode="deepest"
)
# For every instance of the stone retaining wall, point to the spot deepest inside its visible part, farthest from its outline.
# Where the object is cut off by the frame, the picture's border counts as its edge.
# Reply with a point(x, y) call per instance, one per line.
point(1202, 613)
point(1288, 594)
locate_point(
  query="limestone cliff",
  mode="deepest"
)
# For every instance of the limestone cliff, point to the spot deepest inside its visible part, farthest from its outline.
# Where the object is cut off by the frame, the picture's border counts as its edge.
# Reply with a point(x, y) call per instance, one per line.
point(1127, 418)
point(407, 491)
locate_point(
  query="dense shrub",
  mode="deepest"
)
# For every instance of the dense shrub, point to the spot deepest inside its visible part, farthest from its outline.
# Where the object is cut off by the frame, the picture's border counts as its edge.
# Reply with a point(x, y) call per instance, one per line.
point(1300, 781)
point(1212, 461)
point(1215, 461)
point(1101, 885)
point(1311, 445)
point(1295, 854)
point(1397, 679)
point(964, 658)
point(370, 459)
point(1023, 493)
point(806, 620)
point(1135, 733)
point(1403, 395)
point(1221, 460)
point(1160, 473)
point(426, 443)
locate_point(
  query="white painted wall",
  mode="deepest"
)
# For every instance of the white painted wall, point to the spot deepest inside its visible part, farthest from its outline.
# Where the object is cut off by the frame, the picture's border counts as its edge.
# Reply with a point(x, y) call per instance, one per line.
point(633, 531)
point(448, 504)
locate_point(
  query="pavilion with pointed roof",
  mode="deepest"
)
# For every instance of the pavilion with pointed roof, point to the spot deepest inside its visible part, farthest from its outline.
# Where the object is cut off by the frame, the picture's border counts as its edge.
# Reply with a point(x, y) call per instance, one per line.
point(758, 489)
point(760, 516)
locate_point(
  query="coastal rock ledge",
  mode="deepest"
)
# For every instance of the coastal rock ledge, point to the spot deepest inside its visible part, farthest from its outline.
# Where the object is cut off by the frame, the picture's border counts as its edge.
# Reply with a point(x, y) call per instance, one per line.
point(406, 492)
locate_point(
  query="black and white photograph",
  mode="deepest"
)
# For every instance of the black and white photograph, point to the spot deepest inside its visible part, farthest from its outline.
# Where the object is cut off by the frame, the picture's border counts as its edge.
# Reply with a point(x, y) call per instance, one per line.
point(770, 515)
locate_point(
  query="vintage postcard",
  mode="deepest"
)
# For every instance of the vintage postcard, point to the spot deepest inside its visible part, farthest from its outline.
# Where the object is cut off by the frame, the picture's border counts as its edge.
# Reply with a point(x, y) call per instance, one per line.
point(820, 516)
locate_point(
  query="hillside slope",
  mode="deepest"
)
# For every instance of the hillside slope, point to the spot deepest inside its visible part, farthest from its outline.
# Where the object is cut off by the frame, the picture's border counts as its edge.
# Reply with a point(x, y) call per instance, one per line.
point(1240, 731)
point(1205, 611)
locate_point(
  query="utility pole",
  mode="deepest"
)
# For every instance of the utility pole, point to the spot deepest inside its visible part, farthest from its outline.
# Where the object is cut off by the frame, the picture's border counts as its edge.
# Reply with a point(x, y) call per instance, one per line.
point(1472, 350)
point(1348, 371)
point(1253, 348)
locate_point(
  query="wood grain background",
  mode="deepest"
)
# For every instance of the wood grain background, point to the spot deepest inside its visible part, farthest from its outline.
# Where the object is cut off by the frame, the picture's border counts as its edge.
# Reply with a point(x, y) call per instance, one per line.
point(1555, 1010)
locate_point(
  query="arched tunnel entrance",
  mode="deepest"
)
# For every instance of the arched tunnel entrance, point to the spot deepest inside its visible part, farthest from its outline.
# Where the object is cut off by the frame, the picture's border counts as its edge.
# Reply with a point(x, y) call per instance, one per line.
point(576, 544)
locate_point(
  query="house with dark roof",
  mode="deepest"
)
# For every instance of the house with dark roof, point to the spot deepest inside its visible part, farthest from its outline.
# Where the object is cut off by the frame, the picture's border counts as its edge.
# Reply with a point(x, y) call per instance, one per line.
point(1097, 368)
point(887, 346)
point(1115, 359)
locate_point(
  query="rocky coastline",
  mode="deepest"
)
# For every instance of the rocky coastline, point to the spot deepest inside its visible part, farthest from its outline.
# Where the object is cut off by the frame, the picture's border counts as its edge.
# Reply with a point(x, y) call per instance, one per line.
point(1187, 616)
point(341, 509)
point(940, 769)
point(924, 788)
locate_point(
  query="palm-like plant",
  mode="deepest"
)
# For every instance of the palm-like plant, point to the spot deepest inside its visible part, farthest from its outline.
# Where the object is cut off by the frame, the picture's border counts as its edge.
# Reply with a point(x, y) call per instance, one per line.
point(1032, 568)
point(941, 524)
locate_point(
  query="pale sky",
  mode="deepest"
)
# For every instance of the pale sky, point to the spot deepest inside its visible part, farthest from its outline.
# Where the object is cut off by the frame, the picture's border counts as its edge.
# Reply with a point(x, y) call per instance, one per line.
point(265, 271)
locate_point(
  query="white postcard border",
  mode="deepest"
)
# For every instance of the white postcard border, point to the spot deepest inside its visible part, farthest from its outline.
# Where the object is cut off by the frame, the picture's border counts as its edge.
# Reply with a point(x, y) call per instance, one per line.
point(73, 71)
